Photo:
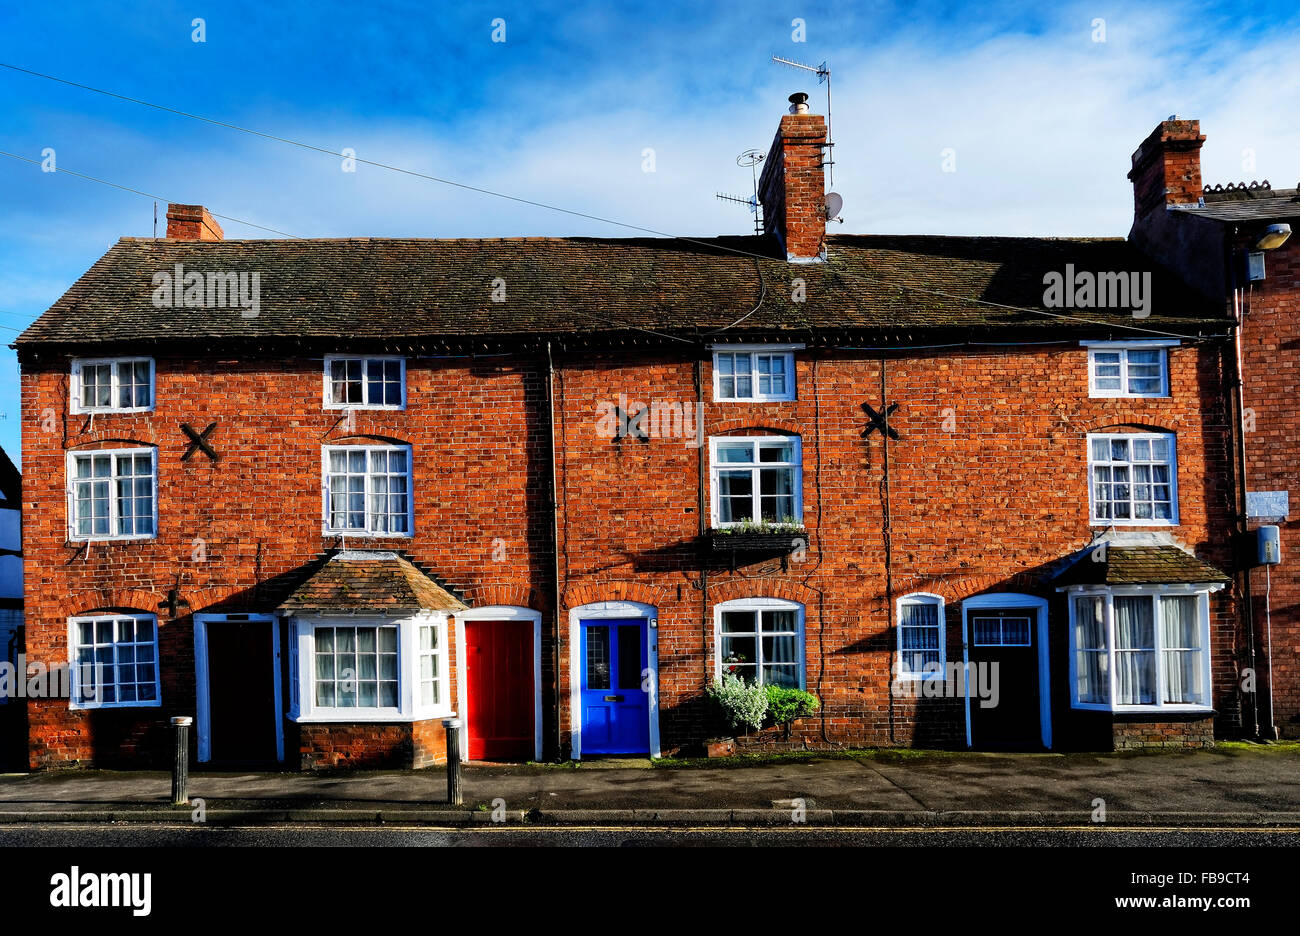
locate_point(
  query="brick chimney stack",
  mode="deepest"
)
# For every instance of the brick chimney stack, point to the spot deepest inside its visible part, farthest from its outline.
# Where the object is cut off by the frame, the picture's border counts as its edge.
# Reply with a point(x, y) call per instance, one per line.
point(192, 222)
point(1167, 167)
point(792, 188)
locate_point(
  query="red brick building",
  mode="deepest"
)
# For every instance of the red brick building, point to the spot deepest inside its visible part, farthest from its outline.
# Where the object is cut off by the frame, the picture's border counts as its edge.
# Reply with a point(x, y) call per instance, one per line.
point(1232, 243)
point(324, 493)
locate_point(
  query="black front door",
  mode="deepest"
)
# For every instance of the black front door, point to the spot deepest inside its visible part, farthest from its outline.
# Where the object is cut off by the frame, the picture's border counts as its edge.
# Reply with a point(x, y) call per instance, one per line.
point(1003, 682)
point(241, 691)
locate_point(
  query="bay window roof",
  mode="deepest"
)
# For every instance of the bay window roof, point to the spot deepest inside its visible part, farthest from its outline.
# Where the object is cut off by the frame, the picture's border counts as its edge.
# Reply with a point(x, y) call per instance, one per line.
point(372, 581)
point(1108, 564)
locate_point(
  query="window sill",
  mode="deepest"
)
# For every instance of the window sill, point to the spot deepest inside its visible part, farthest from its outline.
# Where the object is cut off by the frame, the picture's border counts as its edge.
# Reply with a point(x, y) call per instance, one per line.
point(364, 534)
point(1132, 523)
point(363, 406)
point(78, 707)
point(1143, 709)
point(369, 716)
point(109, 412)
point(112, 539)
point(782, 399)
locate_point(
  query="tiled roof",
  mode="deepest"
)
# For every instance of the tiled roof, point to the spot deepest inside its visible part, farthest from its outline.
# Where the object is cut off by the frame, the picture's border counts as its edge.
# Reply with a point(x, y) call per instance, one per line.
point(369, 581)
point(410, 292)
point(1140, 565)
point(1243, 203)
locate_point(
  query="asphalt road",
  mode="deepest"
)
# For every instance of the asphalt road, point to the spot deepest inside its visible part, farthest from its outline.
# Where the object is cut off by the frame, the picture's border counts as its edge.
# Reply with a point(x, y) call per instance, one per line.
point(119, 836)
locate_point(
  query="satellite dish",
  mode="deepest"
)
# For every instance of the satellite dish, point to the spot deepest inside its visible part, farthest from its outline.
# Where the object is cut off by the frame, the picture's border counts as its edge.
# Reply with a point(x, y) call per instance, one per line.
point(833, 205)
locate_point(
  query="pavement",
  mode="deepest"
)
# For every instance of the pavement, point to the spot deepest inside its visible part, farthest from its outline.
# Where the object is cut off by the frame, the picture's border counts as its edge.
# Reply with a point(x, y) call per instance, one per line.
point(1232, 786)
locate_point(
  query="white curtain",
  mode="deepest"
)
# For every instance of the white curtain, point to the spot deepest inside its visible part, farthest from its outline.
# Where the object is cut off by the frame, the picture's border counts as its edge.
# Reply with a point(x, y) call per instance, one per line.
point(1181, 638)
point(1134, 650)
point(1092, 670)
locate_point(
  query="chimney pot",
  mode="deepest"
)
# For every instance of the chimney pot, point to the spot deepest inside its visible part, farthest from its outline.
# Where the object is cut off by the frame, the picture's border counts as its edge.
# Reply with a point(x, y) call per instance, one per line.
point(798, 103)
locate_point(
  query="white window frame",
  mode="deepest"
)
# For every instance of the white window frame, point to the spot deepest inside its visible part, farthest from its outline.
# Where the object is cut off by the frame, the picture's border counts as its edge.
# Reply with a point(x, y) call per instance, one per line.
point(70, 474)
point(715, 467)
point(1123, 347)
point(903, 674)
point(115, 384)
point(1095, 520)
point(328, 530)
point(302, 659)
point(1154, 592)
point(759, 605)
point(785, 351)
point(74, 643)
point(365, 359)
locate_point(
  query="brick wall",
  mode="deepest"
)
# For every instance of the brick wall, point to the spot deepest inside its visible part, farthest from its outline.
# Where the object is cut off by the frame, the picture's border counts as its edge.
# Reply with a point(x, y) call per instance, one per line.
point(1271, 363)
point(1182, 733)
point(987, 489)
point(480, 483)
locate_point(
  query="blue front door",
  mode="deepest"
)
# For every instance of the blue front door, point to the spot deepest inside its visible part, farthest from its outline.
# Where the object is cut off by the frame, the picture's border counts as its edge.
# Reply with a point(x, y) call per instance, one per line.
point(615, 709)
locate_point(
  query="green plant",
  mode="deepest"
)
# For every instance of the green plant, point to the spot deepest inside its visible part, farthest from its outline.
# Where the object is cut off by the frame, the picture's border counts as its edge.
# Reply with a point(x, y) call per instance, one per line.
point(785, 705)
point(784, 525)
point(742, 705)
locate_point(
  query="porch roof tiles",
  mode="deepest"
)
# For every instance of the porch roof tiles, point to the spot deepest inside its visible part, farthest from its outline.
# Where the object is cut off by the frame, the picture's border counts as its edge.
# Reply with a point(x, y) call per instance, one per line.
point(1141, 565)
point(369, 581)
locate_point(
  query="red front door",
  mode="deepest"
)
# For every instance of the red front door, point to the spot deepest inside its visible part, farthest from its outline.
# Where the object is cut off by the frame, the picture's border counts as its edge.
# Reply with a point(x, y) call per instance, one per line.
point(499, 660)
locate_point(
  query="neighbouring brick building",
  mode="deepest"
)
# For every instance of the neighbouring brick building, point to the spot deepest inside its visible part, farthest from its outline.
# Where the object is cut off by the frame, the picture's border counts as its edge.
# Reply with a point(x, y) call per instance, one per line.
point(1231, 242)
point(324, 493)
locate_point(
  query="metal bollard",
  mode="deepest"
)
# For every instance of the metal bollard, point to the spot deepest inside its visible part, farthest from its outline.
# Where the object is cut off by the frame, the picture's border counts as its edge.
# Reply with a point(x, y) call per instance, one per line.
point(181, 764)
point(452, 726)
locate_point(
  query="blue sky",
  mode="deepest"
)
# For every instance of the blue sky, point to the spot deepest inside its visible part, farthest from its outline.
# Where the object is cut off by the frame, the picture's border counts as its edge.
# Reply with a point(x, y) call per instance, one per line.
point(1042, 118)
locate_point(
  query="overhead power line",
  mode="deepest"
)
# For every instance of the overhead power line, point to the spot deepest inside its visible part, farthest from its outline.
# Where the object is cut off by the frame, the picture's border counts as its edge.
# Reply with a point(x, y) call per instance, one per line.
point(712, 245)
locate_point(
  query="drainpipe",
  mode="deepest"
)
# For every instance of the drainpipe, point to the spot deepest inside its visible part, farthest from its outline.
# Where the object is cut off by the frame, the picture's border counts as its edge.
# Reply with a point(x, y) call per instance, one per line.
point(555, 546)
point(886, 536)
point(1237, 384)
point(700, 507)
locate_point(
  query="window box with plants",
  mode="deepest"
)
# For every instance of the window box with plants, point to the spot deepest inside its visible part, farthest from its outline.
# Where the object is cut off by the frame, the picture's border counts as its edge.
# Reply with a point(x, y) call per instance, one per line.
point(777, 537)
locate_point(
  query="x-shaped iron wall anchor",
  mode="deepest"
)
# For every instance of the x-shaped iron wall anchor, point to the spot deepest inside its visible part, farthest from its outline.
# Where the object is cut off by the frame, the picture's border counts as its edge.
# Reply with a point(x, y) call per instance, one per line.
point(173, 602)
point(199, 440)
point(880, 420)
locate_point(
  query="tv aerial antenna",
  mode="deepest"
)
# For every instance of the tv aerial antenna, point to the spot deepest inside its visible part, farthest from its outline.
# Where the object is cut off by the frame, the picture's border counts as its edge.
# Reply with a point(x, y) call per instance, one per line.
point(750, 158)
point(823, 75)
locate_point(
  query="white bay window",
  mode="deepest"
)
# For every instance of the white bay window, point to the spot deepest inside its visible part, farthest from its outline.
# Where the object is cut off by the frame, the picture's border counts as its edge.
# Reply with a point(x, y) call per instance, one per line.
point(360, 669)
point(1143, 648)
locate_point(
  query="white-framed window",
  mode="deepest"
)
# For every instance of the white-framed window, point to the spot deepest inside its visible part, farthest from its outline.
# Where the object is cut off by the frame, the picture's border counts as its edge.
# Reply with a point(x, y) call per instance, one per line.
point(760, 640)
point(372, 382)
point(922, 637)
point(753, 372)
point(112, 385)
point(1128, 369)
point(756, 479)
point(1133, 479)
point(1140, 648)
point(112, 494)
point(367, 489)
point(430, 668)
point(356, 669)
point(114, 660)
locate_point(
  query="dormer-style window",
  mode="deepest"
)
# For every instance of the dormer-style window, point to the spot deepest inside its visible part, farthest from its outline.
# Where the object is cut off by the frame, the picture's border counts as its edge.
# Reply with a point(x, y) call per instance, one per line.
point(753, 373)
point(1128, 368)
point(112, 385)
point(365, 382)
